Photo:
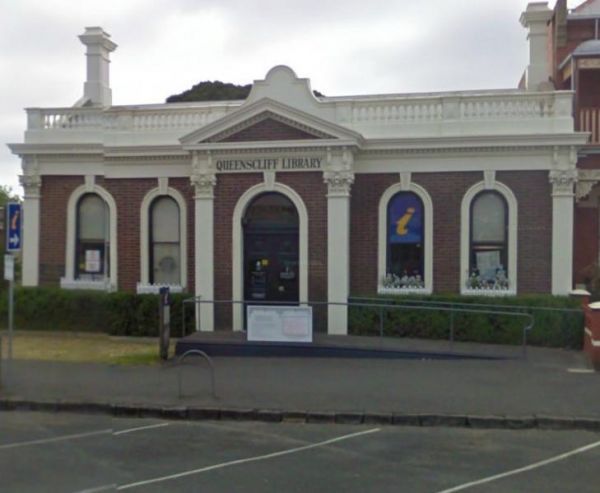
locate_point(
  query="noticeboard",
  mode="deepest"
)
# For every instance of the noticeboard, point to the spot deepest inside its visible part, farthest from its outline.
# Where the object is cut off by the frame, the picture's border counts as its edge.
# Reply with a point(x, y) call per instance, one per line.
point(280, 323)
point(9, 267)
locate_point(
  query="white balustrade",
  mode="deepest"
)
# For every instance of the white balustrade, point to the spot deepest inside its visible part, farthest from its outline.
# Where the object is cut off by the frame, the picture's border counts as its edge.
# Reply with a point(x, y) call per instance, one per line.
point(133, 119)
point(471, 107)
point(501, 106)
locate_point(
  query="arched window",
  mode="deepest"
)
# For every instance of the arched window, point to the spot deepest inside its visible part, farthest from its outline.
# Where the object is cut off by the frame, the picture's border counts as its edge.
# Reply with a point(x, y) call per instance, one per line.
point(92, 258)
point(165, 251)
point(405, 256)
point(488, 258)
point(489, 240)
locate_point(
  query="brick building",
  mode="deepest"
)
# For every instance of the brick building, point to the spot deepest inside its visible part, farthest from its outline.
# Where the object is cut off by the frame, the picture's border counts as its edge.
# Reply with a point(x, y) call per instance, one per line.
point(574, 64)
point(290, 197)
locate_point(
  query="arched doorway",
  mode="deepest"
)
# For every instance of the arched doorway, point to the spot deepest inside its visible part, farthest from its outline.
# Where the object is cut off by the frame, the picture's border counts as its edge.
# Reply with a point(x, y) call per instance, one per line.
point(271, 244)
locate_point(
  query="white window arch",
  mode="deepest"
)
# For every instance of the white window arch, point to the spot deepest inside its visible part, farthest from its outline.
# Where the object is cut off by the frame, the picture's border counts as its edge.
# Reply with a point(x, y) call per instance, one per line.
point(238, 248)
point(148, 283)
point(91, 256)
point(421, 280)
point(488, 247)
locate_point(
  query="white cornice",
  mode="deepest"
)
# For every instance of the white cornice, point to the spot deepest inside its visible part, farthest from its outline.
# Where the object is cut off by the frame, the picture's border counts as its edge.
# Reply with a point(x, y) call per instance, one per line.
point(435, 144)
point(270, 146)
point(144, 151)
point(69, 149)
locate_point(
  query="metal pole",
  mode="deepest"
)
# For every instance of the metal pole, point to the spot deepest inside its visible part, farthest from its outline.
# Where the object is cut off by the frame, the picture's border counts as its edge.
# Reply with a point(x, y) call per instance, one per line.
point(451, 330)
point(10, 318)
point(182, 319)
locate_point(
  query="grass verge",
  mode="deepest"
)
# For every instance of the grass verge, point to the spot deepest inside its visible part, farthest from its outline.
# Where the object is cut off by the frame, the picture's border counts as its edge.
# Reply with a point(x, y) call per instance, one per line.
point(82, 348)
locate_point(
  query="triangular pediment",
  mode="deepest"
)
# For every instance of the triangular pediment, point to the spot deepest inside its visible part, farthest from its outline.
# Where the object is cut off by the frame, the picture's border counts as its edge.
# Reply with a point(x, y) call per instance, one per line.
point(268, 126)
point(268, 120)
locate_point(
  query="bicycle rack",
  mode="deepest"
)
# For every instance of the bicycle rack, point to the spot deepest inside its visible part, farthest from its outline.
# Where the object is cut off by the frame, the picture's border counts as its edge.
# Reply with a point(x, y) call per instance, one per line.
point(210, 364)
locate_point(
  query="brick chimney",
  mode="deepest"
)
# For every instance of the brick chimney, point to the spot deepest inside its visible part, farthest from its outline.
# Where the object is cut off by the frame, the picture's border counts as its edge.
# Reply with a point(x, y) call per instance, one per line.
point(535, 20)
point(96, 89)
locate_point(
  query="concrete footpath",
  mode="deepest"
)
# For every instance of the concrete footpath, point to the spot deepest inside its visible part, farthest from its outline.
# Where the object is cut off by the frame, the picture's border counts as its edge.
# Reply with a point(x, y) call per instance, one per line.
point(550, 389)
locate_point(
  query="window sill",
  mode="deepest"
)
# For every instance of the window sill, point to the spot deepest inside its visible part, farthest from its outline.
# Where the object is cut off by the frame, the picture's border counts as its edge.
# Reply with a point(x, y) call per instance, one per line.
point(105, 285)
point(488, 292)
point(382, 290)
point(147, 288)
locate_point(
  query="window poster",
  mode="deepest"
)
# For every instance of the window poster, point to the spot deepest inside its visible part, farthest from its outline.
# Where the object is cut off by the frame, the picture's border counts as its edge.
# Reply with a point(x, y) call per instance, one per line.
point(92, 261)
point(488, 263)
point(405, 219)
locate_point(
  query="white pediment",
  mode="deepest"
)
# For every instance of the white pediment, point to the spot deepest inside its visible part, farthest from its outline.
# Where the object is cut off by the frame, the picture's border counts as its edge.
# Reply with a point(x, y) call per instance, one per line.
point(310, 126)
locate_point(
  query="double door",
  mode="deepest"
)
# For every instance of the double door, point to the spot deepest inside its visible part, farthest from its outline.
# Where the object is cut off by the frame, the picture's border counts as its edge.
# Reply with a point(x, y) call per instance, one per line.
point(271, 266)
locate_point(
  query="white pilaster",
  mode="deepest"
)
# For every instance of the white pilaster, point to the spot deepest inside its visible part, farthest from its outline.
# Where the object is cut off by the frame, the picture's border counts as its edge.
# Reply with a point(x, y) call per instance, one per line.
point(31, 229)
point(204, 181)
point(562, 229)
point(339, 179)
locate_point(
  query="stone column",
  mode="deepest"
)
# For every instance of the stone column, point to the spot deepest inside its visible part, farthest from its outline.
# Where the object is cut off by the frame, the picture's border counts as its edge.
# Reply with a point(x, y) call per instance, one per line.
point(204, 181)
point(339, 182)
point(31, 183)
point(563, 197)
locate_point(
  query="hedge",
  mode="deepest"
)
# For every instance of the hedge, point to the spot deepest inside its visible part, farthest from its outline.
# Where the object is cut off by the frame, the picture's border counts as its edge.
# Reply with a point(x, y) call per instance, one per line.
point(130, 314)
point(561, 327)
point(124, 314)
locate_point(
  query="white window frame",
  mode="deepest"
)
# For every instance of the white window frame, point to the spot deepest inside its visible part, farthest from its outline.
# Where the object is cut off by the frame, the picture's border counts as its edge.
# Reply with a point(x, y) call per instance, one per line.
point(383, 237)
point(237, 261)
point(145, 286)
point(465, 243)
point(69, 281)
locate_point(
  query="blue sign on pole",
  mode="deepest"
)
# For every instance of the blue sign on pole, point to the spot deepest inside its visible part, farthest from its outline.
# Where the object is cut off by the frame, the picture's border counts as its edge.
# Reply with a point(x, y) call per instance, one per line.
point(13, 227)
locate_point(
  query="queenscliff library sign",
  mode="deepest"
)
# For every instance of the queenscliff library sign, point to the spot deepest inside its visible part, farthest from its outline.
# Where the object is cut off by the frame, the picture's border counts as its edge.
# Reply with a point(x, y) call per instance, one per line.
point(269, 164)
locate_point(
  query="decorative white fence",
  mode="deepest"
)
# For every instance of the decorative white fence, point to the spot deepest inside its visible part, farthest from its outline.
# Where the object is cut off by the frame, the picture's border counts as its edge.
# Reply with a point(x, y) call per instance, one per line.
point(411, 109)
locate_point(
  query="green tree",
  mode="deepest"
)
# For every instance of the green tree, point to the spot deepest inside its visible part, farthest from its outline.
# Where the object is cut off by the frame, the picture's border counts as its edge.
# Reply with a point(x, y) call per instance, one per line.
point(215, 91)
point(7, 194)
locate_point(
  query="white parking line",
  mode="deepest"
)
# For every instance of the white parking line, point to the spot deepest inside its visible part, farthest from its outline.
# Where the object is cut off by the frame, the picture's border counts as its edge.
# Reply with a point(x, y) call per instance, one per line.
point(55, 439)
point(248, 459)
point(139, 428)
point(99, 489)
point(523, 469)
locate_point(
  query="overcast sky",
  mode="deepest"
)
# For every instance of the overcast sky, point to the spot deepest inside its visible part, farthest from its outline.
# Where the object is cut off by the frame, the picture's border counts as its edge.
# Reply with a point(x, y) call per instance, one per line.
point(166, 46)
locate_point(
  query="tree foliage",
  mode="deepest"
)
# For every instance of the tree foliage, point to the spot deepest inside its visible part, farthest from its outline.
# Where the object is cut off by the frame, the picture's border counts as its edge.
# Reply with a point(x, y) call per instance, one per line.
point(215, 91)
point(7, 194)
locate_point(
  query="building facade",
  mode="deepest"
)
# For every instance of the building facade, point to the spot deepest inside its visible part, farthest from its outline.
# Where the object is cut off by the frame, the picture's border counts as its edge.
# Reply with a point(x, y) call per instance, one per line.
point(574, 64)
point(293, 198)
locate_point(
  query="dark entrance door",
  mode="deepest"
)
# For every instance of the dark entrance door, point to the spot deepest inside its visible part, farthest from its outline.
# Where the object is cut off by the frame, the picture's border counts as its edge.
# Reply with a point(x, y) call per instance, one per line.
point(271, 250)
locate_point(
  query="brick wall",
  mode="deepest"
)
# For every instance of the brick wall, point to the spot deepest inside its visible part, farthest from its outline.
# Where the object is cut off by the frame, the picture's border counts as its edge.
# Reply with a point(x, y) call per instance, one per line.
point(534, 197)
point(531, 188)
point(228, 191)
point(586, 242)
point(55, 192)
point(447, 190)
point(591, 161)
point(128, 195)
point(268, 129)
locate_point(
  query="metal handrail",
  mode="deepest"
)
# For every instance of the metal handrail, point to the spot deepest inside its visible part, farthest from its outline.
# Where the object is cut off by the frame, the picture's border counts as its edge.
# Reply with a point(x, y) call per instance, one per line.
point(210, 364)
point(458, 303)
point(389, 306)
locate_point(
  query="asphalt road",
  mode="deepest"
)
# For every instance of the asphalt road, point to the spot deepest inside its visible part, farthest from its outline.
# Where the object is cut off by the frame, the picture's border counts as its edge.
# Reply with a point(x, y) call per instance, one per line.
point(65, 452)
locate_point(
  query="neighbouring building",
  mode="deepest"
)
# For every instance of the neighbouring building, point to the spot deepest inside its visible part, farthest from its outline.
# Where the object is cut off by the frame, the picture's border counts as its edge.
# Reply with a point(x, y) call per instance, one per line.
point(290, 197)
